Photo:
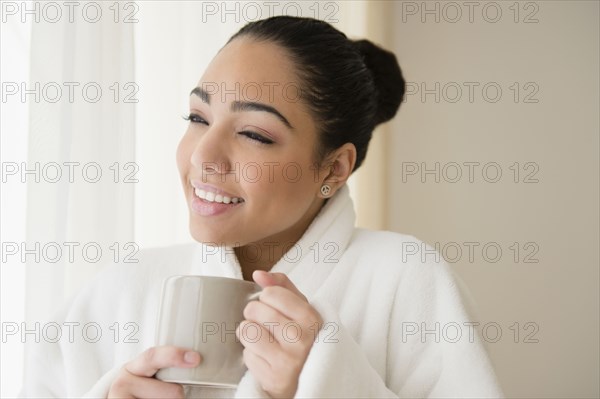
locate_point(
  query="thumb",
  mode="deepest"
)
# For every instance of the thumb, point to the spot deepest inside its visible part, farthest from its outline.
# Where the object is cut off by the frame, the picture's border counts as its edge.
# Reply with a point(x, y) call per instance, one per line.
point(267, 279)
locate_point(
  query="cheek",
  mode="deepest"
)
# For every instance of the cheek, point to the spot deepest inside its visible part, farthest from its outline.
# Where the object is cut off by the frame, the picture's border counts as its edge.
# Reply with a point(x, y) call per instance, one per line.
point(289, 186)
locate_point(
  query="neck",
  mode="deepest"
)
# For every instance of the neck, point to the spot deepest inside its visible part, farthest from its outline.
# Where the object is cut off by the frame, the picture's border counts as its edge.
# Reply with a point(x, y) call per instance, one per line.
point(261, 255)
point(265, 253)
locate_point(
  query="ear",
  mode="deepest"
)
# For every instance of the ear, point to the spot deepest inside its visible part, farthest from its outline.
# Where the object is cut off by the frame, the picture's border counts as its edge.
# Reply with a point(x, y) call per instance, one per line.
point(338, 167)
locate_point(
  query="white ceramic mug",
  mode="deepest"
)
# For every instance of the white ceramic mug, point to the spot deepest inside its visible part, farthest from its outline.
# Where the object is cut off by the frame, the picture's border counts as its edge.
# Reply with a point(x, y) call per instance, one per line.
point(202, 313)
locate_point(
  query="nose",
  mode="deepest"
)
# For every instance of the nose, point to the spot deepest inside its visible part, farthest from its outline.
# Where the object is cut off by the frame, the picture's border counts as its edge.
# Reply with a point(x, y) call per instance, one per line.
point(210, 153)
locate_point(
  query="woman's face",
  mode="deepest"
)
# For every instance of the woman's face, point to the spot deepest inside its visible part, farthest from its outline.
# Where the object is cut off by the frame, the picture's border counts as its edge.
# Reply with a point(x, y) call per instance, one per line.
point(247, 158)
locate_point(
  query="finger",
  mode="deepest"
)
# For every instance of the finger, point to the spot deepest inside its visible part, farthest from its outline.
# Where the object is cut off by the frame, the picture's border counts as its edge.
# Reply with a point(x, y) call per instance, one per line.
point(266, 279)
point(258, 339)
point(265, 314)
point(259, 367)
point(274, 345)
point(290, 305)
point(282, 329)
point(158, 357)
point(113, 394)
point(273, 379)
point(133, 386)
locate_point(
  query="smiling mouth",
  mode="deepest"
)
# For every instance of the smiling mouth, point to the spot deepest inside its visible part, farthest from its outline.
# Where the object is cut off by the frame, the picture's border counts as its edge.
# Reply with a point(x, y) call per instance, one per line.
point(210, 196)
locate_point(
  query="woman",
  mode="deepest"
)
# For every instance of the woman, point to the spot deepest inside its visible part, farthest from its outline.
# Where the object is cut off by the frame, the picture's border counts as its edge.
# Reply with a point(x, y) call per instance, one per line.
point(278, 122)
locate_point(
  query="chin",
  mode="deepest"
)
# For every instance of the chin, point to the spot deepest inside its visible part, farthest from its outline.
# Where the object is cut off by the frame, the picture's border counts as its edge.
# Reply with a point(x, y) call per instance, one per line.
point(206, 235)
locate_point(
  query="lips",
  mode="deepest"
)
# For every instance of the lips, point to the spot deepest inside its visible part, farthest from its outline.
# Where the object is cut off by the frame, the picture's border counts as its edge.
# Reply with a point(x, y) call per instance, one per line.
point(207, 200)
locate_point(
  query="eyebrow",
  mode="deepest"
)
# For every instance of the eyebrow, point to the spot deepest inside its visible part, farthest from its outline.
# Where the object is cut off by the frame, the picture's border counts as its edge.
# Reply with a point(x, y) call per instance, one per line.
point(240, 106)
point(200, 92)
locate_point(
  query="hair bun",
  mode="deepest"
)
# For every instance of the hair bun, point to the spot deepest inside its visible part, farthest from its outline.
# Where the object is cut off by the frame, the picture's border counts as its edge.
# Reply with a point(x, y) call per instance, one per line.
point(387, 76)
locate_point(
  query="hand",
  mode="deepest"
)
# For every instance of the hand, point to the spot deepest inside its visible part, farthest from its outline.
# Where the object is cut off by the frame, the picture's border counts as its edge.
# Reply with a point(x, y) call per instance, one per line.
point(278, 334)
point(136, 377)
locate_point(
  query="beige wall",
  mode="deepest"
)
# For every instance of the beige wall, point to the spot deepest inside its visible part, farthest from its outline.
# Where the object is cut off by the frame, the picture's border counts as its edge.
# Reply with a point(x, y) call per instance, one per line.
point(557, 58)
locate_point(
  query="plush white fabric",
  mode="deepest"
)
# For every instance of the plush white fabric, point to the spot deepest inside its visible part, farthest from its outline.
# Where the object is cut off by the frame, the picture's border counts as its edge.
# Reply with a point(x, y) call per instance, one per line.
point(369, 291)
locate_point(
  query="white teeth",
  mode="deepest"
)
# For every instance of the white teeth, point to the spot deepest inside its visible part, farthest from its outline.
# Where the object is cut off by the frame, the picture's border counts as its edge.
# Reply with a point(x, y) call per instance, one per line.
point(212, 197)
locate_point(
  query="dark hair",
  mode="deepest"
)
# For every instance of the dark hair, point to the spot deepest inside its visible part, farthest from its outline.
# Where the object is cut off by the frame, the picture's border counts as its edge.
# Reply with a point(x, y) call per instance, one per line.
point(350, 86)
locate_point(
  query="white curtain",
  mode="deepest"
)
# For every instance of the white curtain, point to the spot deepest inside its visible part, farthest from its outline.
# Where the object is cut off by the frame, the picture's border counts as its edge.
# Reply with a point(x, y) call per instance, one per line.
point(130, 66)
point(87, 138)
point(14, 62)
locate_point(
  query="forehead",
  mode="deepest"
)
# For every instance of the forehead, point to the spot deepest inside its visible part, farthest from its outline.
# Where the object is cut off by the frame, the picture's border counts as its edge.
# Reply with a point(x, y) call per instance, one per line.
point(252, 70)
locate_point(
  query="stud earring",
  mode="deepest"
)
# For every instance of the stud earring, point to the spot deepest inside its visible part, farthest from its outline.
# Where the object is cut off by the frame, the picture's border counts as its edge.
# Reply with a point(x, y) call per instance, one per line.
point(325, 189)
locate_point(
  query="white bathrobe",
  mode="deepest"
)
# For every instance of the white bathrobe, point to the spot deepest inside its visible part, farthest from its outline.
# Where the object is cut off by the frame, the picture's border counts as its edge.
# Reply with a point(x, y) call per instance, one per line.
point(396, 324)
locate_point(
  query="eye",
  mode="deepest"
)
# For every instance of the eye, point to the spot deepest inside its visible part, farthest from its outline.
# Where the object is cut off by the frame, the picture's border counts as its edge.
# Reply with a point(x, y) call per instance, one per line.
point(195, 118)
point(256, 137)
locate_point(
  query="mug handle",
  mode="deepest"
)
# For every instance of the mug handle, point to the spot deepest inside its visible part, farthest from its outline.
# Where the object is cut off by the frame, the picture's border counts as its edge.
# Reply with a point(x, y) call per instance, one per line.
point(254, 296)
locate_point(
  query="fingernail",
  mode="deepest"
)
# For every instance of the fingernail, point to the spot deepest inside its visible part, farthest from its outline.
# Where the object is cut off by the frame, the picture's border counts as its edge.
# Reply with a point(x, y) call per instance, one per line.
point(191, 357)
